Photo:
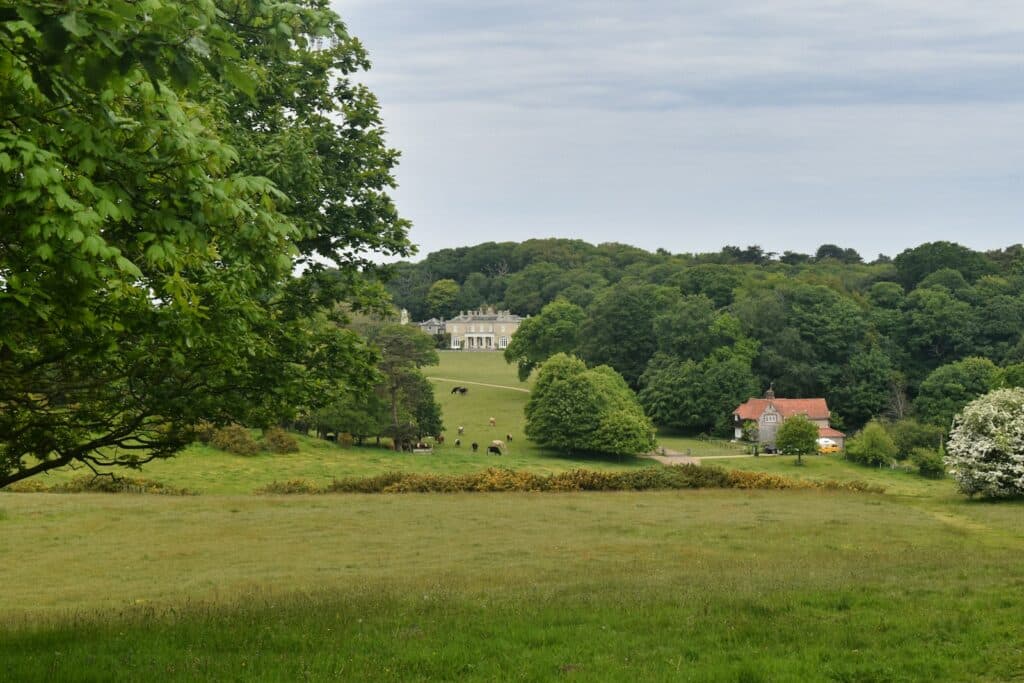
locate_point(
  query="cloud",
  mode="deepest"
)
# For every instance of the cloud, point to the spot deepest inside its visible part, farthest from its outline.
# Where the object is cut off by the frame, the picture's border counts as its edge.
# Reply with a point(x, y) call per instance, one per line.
point(689, 125)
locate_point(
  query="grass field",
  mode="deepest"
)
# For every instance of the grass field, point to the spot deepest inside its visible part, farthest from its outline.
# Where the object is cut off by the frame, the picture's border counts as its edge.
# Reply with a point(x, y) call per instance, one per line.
point(208, 470)
point(701, 585)
point(718, 585)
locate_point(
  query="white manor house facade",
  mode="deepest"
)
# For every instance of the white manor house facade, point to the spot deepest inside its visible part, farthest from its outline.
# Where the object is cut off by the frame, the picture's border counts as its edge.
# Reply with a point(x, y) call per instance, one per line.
point(482, 330)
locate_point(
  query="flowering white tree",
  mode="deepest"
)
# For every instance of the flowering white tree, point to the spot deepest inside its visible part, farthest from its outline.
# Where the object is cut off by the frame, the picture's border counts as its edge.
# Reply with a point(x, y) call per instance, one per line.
point(986, 447)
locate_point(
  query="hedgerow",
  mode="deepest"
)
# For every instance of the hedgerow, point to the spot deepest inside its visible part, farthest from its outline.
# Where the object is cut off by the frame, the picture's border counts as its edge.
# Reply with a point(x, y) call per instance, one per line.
point(100, 484)
point(497, 479)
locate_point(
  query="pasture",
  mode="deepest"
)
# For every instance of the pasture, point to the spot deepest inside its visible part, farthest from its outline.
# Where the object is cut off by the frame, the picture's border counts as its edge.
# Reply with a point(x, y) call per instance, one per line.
point(696, 585)
point(704, 585)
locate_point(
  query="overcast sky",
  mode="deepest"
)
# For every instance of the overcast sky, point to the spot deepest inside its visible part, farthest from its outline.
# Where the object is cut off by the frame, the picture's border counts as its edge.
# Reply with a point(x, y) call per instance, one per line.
point(688, 125)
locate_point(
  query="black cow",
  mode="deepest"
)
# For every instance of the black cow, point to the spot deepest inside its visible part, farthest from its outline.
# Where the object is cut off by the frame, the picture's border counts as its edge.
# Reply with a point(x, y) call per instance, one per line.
point(493, 449)
point(459, 390)
point(475, 446)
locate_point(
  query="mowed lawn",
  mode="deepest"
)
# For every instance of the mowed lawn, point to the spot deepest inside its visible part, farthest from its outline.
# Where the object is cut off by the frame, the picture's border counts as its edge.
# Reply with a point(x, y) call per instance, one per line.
point(694, 585)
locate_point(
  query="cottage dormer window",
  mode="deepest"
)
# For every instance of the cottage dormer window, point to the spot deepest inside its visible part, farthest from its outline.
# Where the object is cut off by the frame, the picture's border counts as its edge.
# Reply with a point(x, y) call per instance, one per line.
point(771, 417)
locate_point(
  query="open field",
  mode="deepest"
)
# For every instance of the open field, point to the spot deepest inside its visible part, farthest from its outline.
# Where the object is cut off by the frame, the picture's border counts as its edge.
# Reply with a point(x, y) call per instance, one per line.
point(822, 467)
point(698, 585)
point(209, 470)
point(704, 585)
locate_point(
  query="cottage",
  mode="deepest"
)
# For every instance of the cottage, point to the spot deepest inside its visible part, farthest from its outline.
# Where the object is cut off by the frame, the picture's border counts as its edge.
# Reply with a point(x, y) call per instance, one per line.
point(769, 412)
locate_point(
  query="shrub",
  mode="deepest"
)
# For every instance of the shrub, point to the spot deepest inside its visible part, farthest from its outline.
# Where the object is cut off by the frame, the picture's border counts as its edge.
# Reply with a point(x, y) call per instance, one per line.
point(204, 431)
point(909, 434)
point(102, 484)
point(872, 446)
point(375, 484)
point(985, 452)
point(235, 439)
point(291, 486)
point(929, 463)
point(497, 479)
point(278, 440)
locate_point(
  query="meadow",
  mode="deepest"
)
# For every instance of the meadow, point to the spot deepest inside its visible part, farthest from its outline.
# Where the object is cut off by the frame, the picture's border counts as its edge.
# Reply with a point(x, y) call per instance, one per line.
point(704, 585)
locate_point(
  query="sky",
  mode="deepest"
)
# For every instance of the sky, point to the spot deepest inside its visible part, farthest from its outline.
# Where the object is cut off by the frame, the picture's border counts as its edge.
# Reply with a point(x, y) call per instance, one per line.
point(692, 124)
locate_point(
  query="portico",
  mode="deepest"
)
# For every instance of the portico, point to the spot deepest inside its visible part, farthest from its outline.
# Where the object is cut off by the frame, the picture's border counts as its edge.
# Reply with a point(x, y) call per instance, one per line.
point(479, 342)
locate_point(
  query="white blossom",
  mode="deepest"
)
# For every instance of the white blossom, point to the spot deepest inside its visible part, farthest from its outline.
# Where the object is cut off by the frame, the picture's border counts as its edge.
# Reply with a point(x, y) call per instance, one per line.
point(986, 446)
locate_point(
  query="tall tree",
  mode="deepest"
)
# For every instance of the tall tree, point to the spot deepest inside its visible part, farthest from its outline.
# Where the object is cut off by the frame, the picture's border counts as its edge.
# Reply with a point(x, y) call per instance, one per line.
point(404, 350)
point(949, 388)
point(575, 409)
point(555, 330)
point(619, 330)
point(441, 298)
point(146, 273)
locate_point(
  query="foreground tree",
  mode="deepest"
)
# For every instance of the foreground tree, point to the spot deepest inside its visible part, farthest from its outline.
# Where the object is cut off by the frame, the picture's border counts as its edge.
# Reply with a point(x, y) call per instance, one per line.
point(147, 255)
point(986, 446)
point(797, 436)
point(575, 409)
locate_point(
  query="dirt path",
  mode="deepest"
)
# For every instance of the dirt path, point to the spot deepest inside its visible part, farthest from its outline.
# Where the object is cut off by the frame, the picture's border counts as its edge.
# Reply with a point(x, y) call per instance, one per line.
point(479, 384)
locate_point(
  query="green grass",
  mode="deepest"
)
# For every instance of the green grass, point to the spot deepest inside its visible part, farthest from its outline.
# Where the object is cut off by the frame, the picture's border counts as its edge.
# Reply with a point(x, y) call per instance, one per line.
point(699, 448)
point(918, 583)
point(895, 481)
point(698, 585)
point(210, 471)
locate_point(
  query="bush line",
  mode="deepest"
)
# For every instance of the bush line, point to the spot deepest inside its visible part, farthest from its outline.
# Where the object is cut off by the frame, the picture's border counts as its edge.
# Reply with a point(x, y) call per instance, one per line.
point(99, 484)
point(496, 479)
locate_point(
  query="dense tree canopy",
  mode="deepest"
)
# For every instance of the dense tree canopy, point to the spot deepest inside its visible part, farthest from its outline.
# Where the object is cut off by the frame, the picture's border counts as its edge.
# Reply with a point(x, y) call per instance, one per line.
point(163, 169)
point(555, 330)
point(575, 409)
point(863, 335)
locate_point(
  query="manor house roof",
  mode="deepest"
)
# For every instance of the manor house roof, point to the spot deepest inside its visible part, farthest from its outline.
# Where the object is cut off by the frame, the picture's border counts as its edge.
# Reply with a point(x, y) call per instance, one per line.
point(485, 315)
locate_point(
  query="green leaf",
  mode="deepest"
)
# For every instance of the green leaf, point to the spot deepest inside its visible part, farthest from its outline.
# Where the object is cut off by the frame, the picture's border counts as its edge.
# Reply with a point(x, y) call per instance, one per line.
point(75, 25)
point(239, 78)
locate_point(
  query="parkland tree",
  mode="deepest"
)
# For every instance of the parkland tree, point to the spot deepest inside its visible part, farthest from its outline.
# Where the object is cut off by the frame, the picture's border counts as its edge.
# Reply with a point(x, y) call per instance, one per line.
point(164, 169)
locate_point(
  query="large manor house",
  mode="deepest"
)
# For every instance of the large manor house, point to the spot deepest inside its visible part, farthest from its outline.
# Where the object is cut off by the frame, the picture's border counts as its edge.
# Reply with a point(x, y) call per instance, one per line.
point(485, 329)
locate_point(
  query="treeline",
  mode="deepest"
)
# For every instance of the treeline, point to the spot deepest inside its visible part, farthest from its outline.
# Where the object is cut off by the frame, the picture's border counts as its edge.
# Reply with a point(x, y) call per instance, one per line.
point(695, 334)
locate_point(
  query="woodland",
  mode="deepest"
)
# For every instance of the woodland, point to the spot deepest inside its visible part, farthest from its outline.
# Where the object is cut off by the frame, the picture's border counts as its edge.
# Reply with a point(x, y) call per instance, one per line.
point(918, 335)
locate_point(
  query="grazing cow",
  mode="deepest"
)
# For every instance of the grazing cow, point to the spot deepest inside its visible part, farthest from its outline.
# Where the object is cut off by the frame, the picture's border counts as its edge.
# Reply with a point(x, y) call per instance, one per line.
point(458, 442)
point(455, 390)
point(493, 449)
point(463, 390)
point(461, 429)
point(508, 437)
point(439, 438)
point(475, 446)
point(492, 422)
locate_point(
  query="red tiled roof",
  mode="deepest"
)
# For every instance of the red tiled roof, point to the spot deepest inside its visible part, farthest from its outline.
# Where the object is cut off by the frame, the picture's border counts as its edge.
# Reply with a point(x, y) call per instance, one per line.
point(813, 408)
point(829, 432)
